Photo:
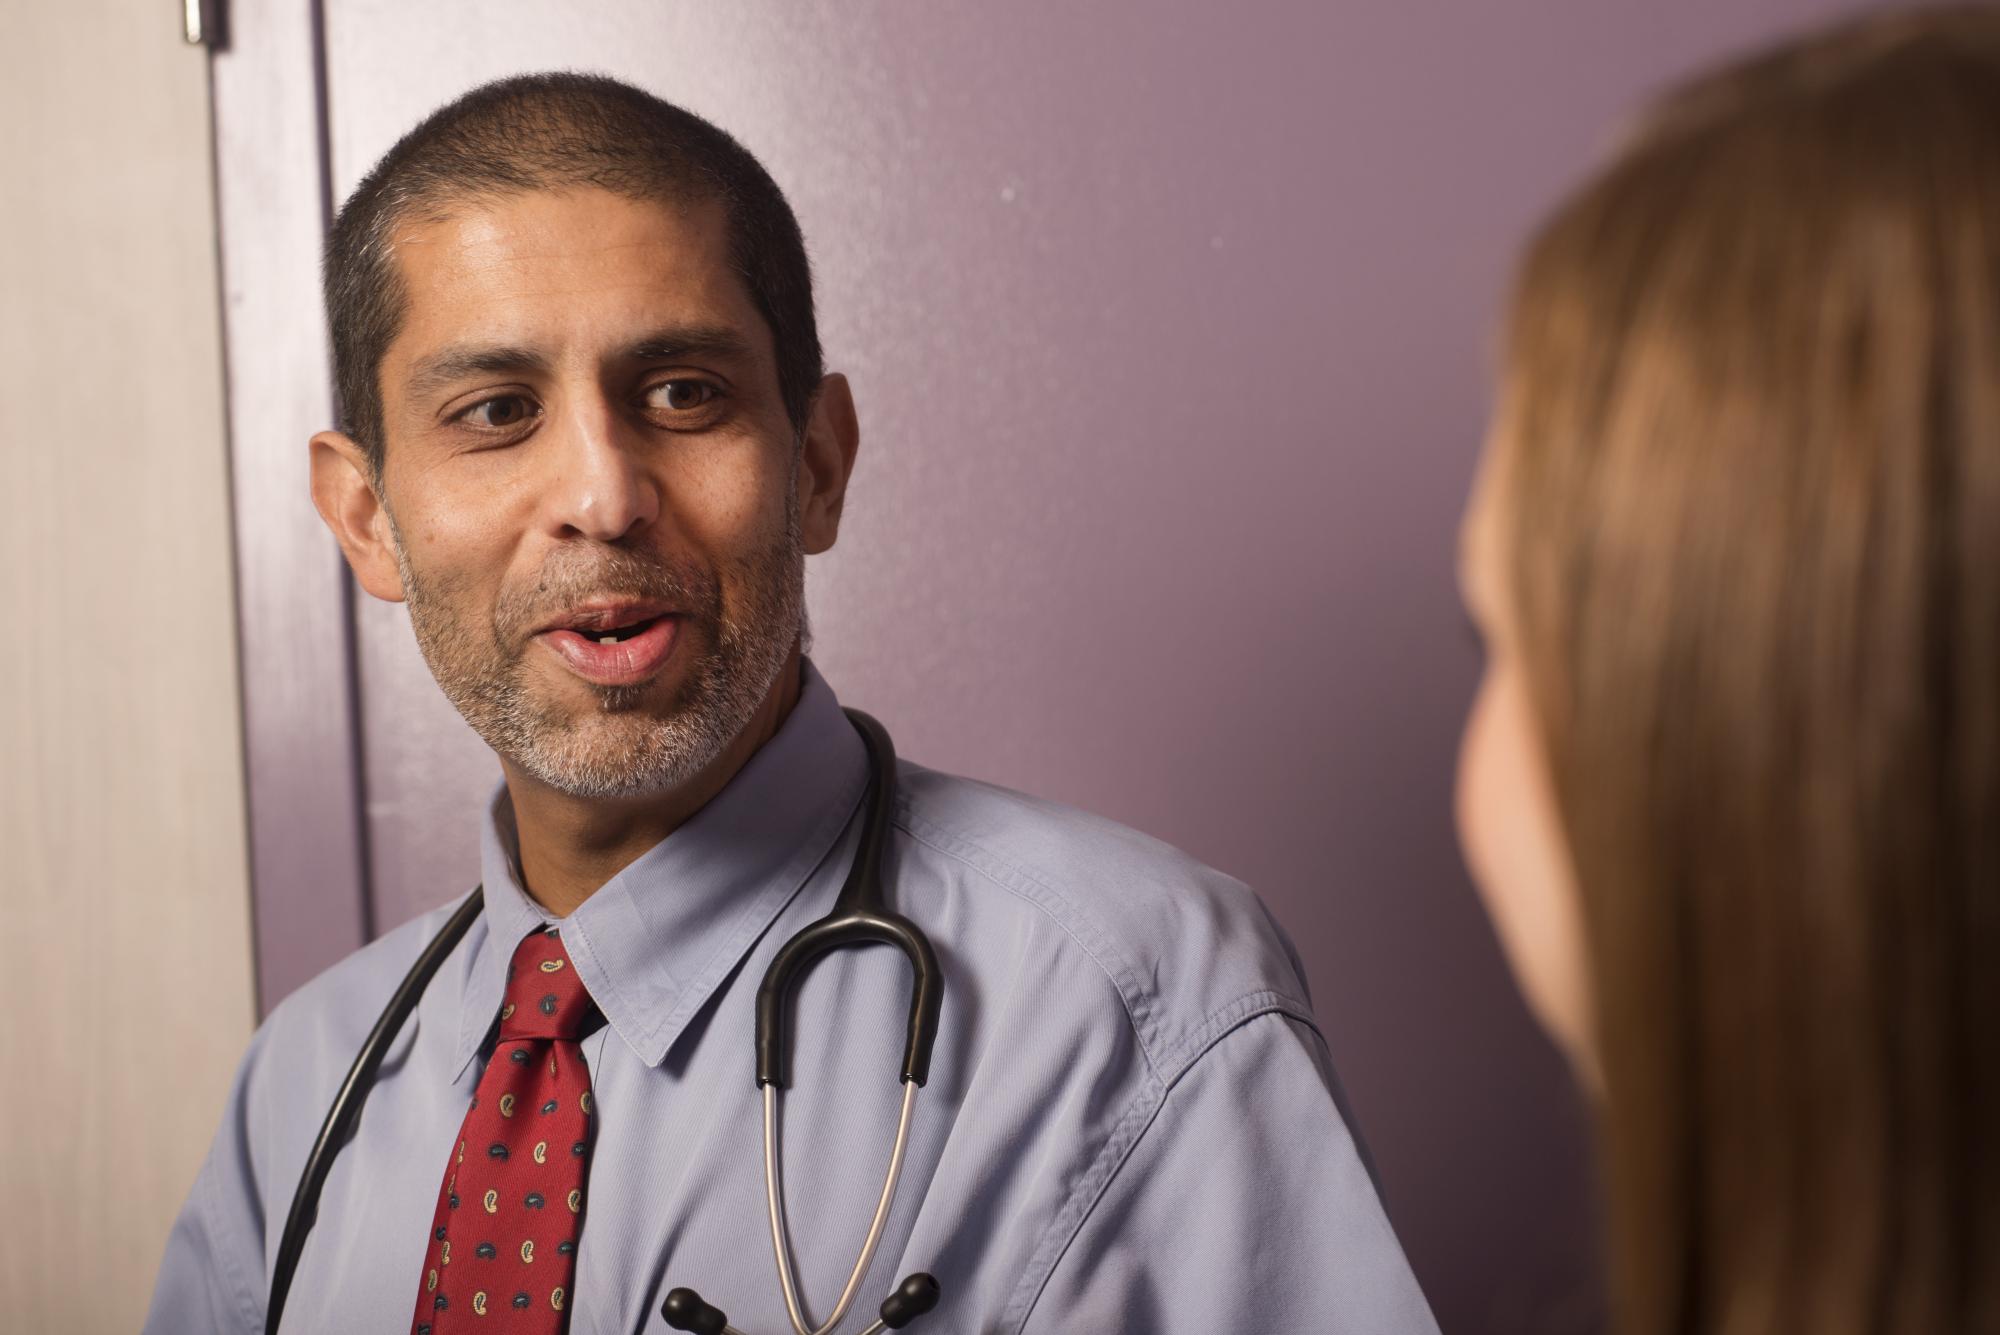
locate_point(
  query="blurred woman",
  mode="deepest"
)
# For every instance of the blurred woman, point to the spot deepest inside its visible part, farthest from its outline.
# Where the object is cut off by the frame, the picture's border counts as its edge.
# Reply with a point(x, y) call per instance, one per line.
point(1731, 787)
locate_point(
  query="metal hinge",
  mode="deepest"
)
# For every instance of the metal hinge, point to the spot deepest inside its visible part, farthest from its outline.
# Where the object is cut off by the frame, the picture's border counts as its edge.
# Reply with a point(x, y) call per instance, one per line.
point(202, 23)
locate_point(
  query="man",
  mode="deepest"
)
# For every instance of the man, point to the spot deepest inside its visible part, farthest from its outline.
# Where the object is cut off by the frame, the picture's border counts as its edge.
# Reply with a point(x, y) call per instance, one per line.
point(590, 442)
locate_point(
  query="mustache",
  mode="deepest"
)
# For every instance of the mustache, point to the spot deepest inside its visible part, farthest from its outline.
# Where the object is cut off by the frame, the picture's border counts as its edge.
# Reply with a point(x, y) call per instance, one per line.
point(572, 577)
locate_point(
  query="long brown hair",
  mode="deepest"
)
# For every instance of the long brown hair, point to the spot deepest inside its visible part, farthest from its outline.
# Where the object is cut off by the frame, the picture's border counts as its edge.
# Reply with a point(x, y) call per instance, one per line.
point(1749, 456)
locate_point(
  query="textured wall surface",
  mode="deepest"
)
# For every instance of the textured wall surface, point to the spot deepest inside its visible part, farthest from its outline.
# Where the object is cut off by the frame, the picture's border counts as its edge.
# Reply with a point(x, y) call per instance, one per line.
point(1168, 325)
point(122, 868)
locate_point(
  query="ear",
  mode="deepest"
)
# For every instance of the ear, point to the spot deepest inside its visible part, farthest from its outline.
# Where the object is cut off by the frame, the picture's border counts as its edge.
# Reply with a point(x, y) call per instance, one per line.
point(345, 496)
point(826, 460)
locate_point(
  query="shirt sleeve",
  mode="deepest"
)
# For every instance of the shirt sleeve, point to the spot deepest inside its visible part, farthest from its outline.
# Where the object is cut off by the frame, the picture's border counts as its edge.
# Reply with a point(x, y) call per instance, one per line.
point(1245, 1206)
point(210, 1280)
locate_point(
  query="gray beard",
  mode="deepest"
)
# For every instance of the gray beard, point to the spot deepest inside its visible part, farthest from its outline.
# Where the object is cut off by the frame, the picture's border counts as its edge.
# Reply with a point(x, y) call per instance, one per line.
point(623, 749)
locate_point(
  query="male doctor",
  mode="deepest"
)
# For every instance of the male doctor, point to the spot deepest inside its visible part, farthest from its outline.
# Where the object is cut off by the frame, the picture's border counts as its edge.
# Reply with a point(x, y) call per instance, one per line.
point(590, 442)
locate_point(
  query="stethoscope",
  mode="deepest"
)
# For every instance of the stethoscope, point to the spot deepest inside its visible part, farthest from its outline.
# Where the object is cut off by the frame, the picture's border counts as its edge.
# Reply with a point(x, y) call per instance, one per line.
point(858, 917)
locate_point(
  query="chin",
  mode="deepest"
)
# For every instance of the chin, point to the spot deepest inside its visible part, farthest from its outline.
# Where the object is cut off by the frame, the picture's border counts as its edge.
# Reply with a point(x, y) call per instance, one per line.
point(660, 699)
point(613, 752)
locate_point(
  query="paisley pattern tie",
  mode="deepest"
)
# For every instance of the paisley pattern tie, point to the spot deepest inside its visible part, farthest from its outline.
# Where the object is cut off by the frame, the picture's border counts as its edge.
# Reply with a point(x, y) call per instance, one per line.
point(502, 1250)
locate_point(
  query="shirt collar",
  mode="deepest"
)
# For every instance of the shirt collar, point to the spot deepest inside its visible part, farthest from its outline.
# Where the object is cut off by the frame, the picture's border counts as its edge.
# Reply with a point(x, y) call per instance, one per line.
point(654, 942)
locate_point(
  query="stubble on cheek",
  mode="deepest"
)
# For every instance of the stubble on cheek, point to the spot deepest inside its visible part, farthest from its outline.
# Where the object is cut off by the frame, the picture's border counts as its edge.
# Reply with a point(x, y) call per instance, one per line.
point(483, 659)
point(628, 739)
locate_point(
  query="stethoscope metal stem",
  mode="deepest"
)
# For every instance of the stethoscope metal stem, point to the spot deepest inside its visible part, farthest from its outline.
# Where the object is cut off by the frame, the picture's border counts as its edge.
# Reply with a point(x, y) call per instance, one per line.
point(774, 1199)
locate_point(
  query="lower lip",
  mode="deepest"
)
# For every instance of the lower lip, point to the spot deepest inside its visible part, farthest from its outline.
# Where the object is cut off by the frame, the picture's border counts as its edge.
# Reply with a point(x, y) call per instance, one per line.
point(620, 663)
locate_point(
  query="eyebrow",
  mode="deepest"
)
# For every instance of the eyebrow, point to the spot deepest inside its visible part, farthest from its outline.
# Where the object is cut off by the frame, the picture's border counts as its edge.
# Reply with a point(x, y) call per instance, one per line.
point(452, 364)
point(459, 361)
point(681, 341)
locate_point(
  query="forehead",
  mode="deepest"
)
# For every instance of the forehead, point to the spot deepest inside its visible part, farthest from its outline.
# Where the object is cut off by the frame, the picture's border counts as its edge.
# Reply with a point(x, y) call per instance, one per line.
point(563, 269)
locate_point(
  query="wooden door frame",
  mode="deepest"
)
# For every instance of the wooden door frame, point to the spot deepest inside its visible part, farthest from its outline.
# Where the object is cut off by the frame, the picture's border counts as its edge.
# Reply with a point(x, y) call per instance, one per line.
point(295, 598)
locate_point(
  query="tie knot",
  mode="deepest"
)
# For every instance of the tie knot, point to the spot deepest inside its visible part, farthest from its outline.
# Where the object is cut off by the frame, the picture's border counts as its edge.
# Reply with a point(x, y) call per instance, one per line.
point(545, 998)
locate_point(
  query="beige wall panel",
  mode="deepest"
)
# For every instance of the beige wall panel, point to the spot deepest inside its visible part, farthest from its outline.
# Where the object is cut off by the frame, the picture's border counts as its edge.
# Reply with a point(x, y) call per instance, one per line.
point(127, 981)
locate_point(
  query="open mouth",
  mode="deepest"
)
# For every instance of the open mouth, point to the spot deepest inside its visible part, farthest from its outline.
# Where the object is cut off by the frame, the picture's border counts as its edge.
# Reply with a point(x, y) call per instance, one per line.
point(615, 645)
point(620, 634)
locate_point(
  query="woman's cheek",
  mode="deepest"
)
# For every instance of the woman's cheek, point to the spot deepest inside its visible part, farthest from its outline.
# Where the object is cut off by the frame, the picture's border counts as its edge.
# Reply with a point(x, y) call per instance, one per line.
point(1519, 861)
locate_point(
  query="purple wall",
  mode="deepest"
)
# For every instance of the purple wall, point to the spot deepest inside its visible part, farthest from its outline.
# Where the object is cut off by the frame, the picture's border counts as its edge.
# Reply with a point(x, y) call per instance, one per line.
point(1168, 326)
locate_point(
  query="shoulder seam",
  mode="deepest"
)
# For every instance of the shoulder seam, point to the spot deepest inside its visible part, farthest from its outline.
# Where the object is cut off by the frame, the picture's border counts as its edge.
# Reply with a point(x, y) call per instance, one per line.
point(245, 1295)
point(1138, 1118)
point(1081, 927)
point(1078, 926)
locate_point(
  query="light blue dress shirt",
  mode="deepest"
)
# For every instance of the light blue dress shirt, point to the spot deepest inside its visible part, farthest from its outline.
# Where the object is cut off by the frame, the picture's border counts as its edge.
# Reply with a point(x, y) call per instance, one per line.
point(1131, 1122)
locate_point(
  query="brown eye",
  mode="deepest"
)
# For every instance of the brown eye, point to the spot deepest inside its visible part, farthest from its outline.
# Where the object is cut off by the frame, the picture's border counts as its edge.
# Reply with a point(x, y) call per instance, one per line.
point(505, 411)
point(682, 395)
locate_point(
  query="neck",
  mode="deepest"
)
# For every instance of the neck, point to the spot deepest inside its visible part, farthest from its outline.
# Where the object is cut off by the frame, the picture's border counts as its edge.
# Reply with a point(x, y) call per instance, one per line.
point(570, 846)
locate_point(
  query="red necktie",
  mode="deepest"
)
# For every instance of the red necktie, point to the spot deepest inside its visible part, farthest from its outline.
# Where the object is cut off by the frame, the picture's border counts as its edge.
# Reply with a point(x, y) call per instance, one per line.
point(502, 1251)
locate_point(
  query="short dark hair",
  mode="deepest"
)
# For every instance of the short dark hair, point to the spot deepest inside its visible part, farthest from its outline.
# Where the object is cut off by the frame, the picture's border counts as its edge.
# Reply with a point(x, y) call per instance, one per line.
point(558, 131)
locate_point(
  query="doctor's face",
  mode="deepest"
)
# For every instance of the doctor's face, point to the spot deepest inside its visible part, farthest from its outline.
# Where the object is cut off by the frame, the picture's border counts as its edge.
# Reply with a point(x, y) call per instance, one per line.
point(591, 495)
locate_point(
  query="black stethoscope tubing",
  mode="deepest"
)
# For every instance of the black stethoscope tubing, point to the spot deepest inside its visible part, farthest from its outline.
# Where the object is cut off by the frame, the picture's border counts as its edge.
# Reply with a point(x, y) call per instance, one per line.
point(859, 917)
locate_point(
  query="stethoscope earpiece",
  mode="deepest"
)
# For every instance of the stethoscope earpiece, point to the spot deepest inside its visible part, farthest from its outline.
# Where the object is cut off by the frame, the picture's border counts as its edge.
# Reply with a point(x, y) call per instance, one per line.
point(684, 1310)
point(913, 1297)
point(916, 1295)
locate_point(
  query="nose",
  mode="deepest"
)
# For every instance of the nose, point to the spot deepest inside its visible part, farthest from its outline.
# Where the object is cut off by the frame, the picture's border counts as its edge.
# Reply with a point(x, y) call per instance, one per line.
point(602, 489)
